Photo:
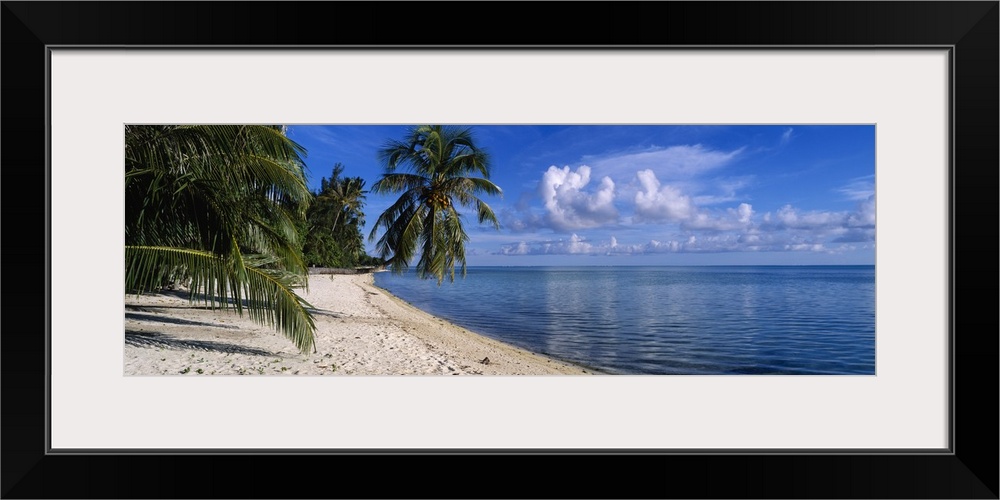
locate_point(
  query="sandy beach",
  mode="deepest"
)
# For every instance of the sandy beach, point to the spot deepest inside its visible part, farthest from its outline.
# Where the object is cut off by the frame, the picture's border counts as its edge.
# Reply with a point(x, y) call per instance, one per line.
point(360, 330)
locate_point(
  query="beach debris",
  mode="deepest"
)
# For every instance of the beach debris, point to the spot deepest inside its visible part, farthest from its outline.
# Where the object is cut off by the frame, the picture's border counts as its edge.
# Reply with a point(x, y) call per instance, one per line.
point(485, 361)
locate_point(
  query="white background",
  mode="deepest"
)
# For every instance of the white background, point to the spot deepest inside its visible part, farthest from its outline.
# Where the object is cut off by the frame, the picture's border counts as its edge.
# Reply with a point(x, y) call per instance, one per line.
point(904, 93)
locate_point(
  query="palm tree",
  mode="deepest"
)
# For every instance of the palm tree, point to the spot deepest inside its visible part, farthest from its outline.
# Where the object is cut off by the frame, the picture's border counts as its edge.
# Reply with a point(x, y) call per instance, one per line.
point(346, 196)
point(352, 199)
point(440, 163)
point(218, 207)
point(333, 231)
point(328, 201)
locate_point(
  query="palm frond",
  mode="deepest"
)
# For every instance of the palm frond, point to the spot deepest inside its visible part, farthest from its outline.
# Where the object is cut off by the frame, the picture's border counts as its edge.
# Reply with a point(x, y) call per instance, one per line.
point(440, 159)
point(402, 222)
point(395, 182)
point(201, 198)
point(485, 214)
point(222, 283)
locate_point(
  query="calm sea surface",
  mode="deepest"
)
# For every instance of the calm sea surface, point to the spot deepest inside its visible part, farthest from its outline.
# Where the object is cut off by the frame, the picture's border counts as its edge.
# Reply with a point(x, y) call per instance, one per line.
point(667, 320)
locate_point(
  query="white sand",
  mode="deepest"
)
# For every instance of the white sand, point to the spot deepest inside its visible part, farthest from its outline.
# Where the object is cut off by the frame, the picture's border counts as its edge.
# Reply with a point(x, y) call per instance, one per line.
point(360, 330)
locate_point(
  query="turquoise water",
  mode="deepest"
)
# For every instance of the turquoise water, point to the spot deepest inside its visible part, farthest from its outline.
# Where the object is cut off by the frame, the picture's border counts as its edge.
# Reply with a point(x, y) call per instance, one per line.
point(667, 320)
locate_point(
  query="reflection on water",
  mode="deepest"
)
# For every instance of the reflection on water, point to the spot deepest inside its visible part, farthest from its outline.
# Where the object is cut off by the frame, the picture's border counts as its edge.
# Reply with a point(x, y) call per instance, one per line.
point(668, 320)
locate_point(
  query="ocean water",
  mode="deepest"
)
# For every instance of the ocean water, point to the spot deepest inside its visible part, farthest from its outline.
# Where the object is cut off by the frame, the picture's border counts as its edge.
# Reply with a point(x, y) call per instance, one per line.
point(667, 320)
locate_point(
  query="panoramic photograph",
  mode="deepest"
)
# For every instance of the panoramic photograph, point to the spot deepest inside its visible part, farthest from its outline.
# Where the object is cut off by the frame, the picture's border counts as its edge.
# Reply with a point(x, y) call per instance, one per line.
point(491, 249)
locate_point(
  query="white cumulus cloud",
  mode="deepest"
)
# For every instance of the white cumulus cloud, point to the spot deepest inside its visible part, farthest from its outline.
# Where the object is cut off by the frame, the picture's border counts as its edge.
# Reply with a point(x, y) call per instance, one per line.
point(569, 206)
point(738, 218)
point(660, 203)
point(576, 245)
point(744, 212)
point(806, 247)
point(793, 218)
point(865, 216)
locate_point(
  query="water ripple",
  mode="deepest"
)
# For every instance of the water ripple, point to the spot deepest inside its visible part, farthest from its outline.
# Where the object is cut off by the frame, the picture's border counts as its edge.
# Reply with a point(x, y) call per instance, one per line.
point(669, 320)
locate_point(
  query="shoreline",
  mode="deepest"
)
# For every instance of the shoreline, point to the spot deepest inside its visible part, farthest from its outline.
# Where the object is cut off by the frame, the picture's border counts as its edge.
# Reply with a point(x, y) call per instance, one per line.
point(361, 329)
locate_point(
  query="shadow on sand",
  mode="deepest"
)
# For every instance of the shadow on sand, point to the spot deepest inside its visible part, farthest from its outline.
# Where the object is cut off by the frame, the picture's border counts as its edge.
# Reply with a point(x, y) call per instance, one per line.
point(199, 302)
point(153, 339)
point(175, 321)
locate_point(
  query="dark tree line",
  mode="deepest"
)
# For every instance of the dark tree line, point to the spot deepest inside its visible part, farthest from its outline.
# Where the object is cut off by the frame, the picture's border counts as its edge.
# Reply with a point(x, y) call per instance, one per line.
point(332, 227)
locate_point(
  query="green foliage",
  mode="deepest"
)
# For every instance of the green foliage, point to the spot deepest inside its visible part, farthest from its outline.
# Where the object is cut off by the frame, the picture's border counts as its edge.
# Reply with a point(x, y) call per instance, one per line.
point(332, 232)
point(264, 293)
point(369, 261)
point(441, 165)
point(218, 207)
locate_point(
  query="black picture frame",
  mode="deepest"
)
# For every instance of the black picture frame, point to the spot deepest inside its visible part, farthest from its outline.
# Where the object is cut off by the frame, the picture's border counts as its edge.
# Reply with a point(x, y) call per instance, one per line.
point(970, 470)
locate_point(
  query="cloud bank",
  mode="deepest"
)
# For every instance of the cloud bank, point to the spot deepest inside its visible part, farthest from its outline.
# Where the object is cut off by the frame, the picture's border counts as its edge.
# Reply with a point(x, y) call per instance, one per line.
point(737, 229)
point(665, 192)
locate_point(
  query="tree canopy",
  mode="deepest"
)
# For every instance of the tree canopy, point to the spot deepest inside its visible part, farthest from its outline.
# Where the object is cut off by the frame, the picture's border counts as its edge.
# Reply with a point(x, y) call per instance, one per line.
point(333, 222)
point(443, 169)
point(218, 206)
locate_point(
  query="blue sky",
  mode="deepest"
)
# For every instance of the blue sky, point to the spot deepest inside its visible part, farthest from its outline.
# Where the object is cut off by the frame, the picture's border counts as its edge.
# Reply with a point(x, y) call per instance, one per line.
point(649, 195)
